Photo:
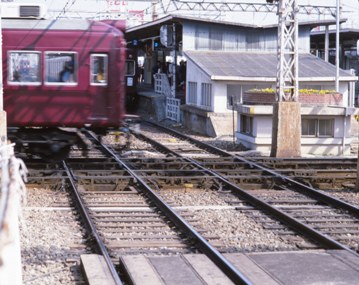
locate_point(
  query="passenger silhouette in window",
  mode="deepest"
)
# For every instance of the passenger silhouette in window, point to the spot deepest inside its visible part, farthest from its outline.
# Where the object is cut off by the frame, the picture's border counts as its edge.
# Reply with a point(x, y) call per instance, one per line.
point(100, 77)
point(16, 76)
point(66, 75)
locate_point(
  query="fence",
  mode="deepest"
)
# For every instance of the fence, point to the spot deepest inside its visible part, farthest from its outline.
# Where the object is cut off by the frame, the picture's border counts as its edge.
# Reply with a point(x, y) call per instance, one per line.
point(163, 87)
point(13, 174)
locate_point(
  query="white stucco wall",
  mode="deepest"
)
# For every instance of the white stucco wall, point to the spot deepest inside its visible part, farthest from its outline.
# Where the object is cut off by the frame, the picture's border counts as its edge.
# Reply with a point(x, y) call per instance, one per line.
point(195, 74)
point(263, 126)
point(343, 88)
point(220, 97)
point(262, 134)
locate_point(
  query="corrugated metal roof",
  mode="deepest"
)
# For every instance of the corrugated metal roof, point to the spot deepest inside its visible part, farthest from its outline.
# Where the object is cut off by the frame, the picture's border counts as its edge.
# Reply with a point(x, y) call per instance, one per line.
point(229, 65)
point(181, 18)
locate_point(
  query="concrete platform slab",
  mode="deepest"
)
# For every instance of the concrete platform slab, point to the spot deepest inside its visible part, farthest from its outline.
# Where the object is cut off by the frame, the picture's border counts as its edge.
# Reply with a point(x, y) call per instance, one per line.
point(310, 267)
point(96, 270)
point(188, 269)
point(334, 267)
point(140, 271)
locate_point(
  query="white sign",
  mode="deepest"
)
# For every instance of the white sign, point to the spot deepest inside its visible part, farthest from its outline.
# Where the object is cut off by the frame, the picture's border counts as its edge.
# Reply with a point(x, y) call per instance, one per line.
point(166, 35)
point(129, 81)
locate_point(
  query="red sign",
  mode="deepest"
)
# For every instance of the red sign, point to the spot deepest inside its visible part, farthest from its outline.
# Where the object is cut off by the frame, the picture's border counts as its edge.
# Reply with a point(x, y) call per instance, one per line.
point(116, 3)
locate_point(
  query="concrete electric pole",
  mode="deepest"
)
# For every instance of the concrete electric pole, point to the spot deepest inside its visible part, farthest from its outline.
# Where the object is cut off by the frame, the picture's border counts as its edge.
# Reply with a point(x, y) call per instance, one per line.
point(286, 131)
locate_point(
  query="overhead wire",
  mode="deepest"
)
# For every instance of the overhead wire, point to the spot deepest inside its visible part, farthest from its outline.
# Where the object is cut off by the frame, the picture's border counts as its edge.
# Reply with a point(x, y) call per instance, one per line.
point(65, 9)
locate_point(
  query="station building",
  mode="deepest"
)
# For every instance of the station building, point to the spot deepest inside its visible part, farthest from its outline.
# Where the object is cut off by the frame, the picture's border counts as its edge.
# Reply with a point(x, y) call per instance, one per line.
point(323, 45)
point(230, 67)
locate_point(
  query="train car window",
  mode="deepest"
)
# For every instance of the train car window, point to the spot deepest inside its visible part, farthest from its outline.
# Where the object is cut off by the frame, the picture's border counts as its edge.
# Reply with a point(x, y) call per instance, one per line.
point(130, 68)
point(60, 68)
point(24, 68)
point(99, 69)
point(130, 72)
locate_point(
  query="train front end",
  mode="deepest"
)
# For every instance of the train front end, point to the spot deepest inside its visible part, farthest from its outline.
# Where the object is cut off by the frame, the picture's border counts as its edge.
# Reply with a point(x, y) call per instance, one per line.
point(59, 77)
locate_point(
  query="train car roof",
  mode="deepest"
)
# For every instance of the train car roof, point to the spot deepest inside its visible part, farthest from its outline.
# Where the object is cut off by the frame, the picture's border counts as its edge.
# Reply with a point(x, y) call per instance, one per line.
point(58, 24)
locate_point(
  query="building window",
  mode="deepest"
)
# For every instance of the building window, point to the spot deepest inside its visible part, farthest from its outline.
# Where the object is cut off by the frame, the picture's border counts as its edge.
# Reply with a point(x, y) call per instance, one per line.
point(234, 95)
point(206, 95)
point(192, 92)
point(215, 42)
point(246, 125)
point(201, 38)
point(318, 127)
point(61, 68)
point(24, 68)
point(99, 69)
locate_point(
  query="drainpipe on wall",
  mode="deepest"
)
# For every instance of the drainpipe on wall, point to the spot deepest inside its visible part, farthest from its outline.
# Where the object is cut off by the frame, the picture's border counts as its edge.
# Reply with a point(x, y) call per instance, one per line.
point(344, 128)
point(352, 102)
point(326, 44)
point(233, 124)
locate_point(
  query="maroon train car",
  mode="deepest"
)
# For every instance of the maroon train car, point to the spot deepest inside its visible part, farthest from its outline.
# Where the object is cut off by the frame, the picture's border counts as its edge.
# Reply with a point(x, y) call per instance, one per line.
point(62, 73)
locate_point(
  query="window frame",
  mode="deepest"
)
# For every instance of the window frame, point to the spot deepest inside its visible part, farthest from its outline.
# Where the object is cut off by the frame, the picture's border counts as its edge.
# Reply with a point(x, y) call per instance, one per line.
point(134, 67)
point(130, 81)
point(59, 83)
point(246, 125)
point(92, 72)
point(22, 83)
point(192, 92)
point(206, 95)
point(331, 121)
point(317, 129)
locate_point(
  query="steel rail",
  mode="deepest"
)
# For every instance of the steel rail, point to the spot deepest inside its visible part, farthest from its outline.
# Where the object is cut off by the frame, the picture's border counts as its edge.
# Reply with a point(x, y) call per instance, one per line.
point(100, 245)
point(228, 268)
point(282, 216)
point(302, 188)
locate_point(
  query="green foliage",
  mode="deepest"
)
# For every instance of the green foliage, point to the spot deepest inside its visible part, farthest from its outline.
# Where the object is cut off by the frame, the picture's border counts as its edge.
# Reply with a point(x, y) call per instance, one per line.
point(301, 91)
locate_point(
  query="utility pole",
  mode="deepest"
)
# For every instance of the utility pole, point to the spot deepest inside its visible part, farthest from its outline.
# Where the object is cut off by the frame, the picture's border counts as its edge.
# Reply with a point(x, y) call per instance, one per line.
point(174, 71)
point(337, 17)
point(286, 130)
point(287, 51)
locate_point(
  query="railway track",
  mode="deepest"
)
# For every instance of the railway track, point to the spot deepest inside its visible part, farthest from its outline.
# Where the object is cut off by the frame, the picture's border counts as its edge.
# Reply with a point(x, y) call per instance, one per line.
point(285, 195)
point(147, 231)
point(52, 238)
point(170, 196)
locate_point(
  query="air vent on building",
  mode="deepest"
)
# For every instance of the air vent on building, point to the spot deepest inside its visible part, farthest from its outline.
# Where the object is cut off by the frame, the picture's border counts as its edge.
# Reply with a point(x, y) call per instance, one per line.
point(29, 11)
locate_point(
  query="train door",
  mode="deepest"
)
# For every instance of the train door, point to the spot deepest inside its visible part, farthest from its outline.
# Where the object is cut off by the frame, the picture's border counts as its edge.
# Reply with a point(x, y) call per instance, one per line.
point(99, 84)
point(131, 80)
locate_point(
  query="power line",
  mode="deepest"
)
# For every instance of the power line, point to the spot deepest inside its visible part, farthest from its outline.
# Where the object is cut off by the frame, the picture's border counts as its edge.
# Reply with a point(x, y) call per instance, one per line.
point(64, 10)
